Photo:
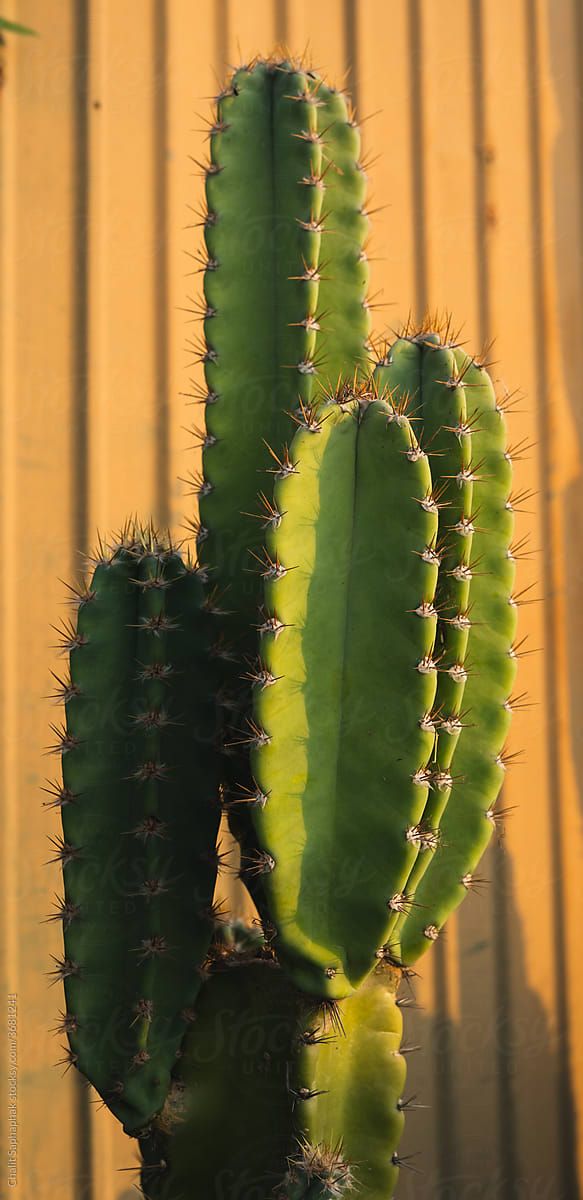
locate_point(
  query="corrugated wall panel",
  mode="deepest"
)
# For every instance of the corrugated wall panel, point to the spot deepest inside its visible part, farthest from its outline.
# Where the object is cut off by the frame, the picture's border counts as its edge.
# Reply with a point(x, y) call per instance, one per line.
point(523, 1028)
point(475, 114)
point(40, 228)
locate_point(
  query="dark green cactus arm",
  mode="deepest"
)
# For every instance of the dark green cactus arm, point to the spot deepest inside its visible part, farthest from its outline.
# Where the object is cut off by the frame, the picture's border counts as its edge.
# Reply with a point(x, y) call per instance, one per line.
point(421, 374)
point(355, 1080)
point(478, 762)
point(264, 196)
point(140, 815)
point(227, 1128)
point(342, 343)
point(345, 680)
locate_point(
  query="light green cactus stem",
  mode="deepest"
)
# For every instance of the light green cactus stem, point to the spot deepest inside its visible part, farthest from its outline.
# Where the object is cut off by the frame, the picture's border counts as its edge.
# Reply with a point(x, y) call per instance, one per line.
point(420, 374)
point(139, 805)
point(478, 762)
point(345, 678)
point(356, 1081)
point(344, 317)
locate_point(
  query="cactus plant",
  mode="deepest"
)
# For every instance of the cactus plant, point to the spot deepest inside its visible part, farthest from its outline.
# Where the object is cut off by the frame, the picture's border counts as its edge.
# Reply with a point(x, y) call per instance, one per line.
point(378, 610)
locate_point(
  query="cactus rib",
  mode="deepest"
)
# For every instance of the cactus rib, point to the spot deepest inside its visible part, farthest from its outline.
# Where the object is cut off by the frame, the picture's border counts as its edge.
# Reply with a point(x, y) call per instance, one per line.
point(264, 196)
point(478, 762)
point(421, 374)
point(342, 342)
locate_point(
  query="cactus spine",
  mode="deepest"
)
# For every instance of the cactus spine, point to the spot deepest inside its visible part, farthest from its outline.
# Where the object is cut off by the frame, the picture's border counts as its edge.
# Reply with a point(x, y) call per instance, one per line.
point(377, 611)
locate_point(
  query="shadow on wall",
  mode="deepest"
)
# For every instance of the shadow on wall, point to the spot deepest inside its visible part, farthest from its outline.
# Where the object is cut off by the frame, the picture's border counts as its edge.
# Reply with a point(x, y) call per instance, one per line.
point(476, 1074)
point(567, 202)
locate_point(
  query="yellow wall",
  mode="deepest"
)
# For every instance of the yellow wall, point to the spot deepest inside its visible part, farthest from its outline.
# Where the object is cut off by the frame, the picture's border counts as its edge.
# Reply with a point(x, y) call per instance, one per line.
point(476, 111)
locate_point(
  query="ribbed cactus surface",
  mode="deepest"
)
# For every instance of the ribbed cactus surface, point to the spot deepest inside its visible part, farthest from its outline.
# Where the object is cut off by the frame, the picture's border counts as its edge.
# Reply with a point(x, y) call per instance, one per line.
point(478, 763)
point(273, 1085)
point(264, 192)
point(140, 813)
point(285, 279)
point(343, 683)
point(227, 1123)
point(343, 313)
point(356, 1080)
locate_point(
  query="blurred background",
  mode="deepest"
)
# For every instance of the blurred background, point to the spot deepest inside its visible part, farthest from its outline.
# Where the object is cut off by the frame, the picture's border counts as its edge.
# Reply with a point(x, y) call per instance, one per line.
point(473, 136)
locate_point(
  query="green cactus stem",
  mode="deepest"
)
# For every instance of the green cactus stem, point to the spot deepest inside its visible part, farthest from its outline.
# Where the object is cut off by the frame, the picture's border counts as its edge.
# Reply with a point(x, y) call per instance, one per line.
point(264, 191)
point(226, 1128)
point(478, 763)
point(140, 813)
point(356, 1079)
point(346, 677)
point(284, 171)
point(273, 1085)
point(420, 373)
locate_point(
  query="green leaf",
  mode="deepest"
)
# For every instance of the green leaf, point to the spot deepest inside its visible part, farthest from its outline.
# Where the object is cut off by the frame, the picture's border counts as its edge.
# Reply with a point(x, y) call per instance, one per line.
point(13, 27)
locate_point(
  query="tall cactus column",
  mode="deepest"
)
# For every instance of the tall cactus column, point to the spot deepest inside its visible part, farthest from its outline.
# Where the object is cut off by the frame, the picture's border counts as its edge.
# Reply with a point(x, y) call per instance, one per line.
point(285, 284)
point(284, 221)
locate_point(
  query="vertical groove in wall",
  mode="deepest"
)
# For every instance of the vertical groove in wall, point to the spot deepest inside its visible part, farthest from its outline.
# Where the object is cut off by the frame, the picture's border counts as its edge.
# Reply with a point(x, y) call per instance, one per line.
point(10, 864)
point(79, 442)
point(221, 47)
point(351, 48)
point(480, 160)
point(161, 299)
point(503, 1017)
point(566, 1171)
point(281, 22)
point(417, 157)
point(80, 282)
